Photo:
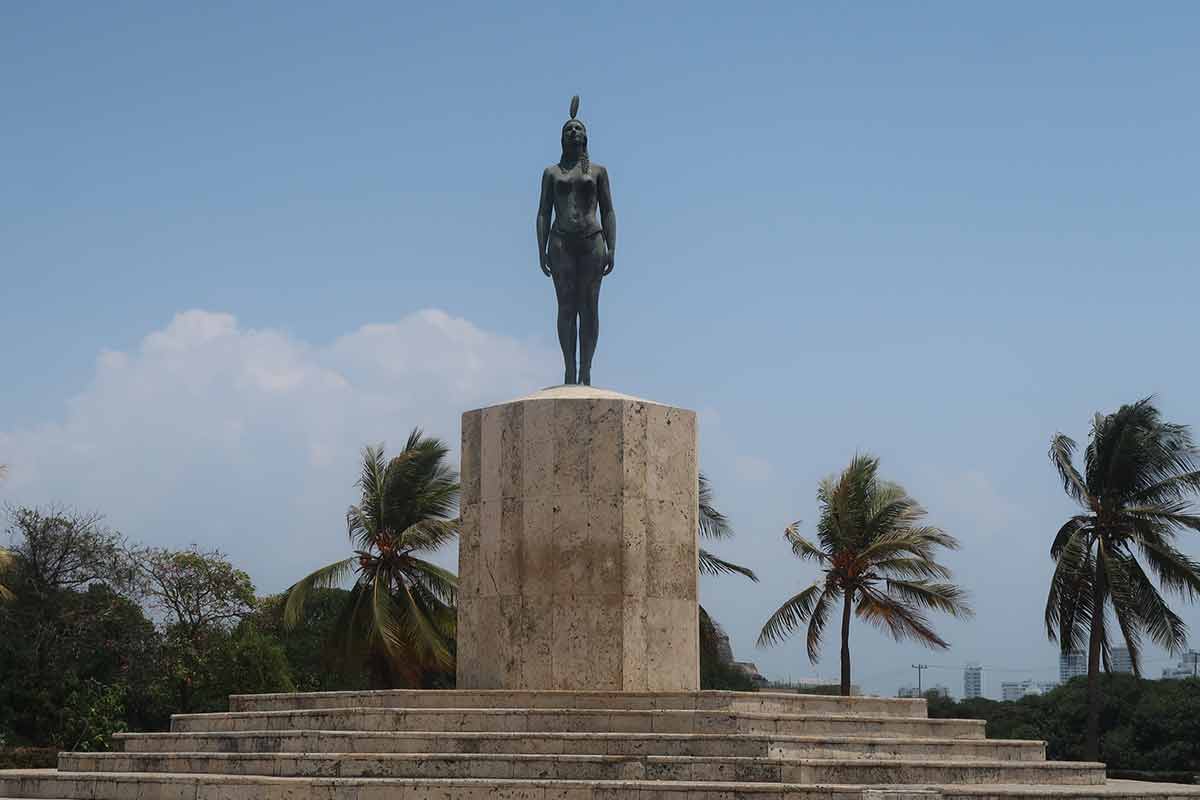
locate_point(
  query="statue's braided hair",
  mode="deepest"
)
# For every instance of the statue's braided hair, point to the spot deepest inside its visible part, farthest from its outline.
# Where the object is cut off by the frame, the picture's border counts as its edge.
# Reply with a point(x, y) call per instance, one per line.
point(584, 162)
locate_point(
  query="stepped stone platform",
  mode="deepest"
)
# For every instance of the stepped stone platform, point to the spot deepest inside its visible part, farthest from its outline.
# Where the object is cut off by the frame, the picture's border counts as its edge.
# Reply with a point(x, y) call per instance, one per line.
point(567, 745)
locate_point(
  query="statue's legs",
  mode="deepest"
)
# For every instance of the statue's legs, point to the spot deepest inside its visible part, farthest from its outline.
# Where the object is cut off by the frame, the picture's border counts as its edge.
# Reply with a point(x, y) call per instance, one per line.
point(589, 271)
point(566, 279)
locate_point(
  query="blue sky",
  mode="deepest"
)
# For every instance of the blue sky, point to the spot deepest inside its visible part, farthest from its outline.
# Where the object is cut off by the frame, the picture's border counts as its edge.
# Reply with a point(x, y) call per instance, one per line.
point(936, 233)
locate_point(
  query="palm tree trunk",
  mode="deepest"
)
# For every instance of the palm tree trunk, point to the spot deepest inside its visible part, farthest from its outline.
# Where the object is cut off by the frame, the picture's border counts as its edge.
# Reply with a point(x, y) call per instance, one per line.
point(846, 645)
point(1100, 594)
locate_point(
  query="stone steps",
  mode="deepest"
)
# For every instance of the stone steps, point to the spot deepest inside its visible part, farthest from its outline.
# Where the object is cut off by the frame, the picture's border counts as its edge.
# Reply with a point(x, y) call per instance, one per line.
point(471, 745)
point(753, 745)
point(51, 785)
point(588, 767)
point(762, 702)
point(578, 720)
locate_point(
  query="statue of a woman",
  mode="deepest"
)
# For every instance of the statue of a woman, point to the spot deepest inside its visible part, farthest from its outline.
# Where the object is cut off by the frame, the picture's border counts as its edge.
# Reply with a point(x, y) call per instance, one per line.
point(571, 250)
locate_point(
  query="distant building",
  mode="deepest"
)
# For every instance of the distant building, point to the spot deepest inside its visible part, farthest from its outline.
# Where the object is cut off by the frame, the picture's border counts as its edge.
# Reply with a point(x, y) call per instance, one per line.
point(1188, 667)
point(1121, 660)
point(1071, 665)
point(972, 682)
point(908, 691)
point(1015, 690)
point(912, 691)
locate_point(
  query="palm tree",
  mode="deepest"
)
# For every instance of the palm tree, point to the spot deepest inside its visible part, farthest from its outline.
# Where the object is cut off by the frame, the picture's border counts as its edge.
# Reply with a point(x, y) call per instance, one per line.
point(399, 616)
point(1139, 473)
point(877, 559)
point(714, 525)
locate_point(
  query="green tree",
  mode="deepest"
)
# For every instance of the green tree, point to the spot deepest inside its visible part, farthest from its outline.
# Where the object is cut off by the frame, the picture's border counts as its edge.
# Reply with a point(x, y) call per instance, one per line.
point(312, 667)
point(399, 616)
point(877, 558)
point(1138, 477)
point(201, 596)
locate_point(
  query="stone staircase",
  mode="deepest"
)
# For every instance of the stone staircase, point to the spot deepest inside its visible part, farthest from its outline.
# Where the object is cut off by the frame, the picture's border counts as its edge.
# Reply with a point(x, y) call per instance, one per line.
point(557, 745)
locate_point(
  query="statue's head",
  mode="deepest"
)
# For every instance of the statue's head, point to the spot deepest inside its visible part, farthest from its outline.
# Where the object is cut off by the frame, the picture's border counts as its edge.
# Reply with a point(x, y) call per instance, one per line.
point(574, 138)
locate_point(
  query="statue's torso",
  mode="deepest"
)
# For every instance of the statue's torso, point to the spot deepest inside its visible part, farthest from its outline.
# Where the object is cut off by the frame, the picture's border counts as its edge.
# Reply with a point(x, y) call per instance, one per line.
point(575, 199)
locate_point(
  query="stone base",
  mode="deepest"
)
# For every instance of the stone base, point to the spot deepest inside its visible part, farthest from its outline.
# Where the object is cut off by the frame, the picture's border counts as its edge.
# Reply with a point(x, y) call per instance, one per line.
point(471, 745)
point(577, 559)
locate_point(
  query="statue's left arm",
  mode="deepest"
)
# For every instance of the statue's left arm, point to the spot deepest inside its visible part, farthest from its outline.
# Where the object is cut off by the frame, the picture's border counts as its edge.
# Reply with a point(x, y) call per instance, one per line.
point(608, 218)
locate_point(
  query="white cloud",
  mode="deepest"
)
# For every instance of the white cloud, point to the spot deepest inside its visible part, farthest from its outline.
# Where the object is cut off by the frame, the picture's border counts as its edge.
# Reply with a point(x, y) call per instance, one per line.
point(248, 439)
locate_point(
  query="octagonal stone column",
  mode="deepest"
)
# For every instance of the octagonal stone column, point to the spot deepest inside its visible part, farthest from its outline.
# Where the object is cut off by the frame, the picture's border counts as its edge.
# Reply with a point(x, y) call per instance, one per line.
point(577, 560)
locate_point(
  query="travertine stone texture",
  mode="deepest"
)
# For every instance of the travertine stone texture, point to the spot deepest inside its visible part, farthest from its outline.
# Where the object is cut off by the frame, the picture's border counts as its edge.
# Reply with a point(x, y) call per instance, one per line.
point(577, 561)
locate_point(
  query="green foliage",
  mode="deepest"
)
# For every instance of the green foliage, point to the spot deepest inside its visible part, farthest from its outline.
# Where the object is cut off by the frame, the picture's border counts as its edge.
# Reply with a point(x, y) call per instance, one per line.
point(93, 712)
point(719, 675)
point(1145, 725)
point(313, 669)
point(398, 619)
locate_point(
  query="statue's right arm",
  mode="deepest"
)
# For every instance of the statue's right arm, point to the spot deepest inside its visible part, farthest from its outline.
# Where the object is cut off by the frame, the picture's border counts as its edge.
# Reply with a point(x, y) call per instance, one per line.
point(543, 220)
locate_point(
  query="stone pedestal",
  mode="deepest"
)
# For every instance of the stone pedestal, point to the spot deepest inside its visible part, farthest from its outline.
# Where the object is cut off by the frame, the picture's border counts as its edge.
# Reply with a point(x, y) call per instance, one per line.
point(577, 562)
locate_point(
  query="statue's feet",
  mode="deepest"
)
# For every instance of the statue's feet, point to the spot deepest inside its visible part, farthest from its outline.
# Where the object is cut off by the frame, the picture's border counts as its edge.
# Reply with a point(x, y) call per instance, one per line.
point(585, 376)
point(569, 378)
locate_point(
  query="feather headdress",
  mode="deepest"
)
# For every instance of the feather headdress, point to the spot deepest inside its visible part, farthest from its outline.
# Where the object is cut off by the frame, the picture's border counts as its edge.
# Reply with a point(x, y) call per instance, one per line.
point(583, 160)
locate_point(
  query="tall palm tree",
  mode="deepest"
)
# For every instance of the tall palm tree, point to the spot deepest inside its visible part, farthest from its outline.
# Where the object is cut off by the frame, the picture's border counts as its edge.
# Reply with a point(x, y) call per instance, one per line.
point(877, 558)
point(714, 525)
point(1139, 474)
point(399, 616)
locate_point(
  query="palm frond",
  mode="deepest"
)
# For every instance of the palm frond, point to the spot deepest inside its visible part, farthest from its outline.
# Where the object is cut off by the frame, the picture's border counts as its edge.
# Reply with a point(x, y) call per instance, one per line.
point(1123, 596)
point(424, 636)
point(439, 582)
point(1062, 451)
point(796, 611)
point(710, 564)
point(713, 524)
point(944, 597)
point(327, 577)
point(1163, 625)
point(1170, 489)
point(802, 548)
point(907, 567)
point(1069, 602)
point(429, 534)
point(1072, 527)
point(902, 620)
point(1175, 571)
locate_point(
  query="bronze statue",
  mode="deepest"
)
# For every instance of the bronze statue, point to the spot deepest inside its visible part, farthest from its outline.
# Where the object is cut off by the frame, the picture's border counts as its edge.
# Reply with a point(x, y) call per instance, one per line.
point(572, 250)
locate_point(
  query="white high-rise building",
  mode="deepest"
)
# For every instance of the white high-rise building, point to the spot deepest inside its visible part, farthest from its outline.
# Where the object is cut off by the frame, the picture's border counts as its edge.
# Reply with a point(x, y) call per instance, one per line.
point(1071, 665)
point(1015, 690)
point(1121, 660)
point(972, 682)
